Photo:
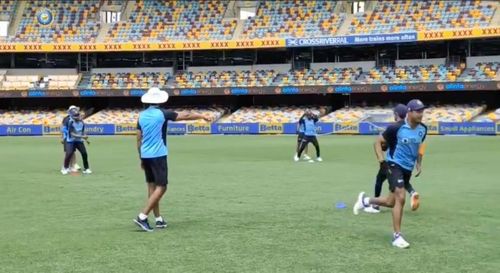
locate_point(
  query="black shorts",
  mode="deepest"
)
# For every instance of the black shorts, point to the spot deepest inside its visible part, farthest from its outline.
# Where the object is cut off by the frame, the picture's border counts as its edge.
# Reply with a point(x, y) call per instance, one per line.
point(398, 176)
point(300, 136)
point(156, 170)
point(308, 139)
point(383, 170)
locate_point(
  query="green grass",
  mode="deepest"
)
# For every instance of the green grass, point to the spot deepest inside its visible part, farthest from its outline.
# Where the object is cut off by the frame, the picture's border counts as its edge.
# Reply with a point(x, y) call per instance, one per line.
point(239, 204)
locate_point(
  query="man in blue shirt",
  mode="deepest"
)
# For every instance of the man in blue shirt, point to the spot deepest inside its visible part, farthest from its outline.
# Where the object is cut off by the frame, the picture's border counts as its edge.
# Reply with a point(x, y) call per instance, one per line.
point(300, 136)
point(74, 141)
point(153, 151)
point(309, 123)
point(404, 140)
point(399, 114)
point(64, 133)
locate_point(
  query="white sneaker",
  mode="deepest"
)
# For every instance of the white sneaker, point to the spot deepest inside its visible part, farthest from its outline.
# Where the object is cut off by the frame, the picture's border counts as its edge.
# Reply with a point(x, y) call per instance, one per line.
point(73, 169)
point(310, 161)
point(296, 158)
point(87, 171)
point(319, 159)
point(359, 203)
point(77, 167)
point(371, 209)
point(400, 242)
point(306, 157)
point(65, 171)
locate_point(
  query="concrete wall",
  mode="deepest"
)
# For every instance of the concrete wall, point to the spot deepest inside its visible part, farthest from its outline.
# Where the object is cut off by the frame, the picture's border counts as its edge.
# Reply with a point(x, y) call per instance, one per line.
point(472, 61)
point(283, 68)
point(366, 66)
point(413, 62)
point(133, 70)
point(43, 71)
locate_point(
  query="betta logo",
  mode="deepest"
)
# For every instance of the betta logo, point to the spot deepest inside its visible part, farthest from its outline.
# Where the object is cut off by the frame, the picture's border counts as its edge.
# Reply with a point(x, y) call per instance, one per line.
point(44, 17)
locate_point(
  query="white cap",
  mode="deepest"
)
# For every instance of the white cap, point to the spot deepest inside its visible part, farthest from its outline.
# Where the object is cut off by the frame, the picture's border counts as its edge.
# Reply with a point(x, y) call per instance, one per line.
point(154, 96)
point(73, 107)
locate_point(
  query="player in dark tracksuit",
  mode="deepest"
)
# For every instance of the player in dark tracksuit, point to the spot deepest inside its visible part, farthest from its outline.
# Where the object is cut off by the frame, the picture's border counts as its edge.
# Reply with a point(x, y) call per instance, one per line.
point(382, 175)
point(405, 142)
point(300, 137)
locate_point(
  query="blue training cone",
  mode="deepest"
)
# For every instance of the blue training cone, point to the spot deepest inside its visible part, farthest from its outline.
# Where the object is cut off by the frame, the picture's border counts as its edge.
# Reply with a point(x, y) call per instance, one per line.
point(340, 205)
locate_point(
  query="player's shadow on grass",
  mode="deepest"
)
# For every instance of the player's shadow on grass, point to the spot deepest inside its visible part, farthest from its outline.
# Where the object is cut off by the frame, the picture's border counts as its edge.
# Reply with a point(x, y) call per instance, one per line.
point(178, 225)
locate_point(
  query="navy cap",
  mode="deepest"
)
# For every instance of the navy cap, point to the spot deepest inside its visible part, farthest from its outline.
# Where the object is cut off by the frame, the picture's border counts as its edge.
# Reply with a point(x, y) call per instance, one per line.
point(415, 105)
point(400, 110)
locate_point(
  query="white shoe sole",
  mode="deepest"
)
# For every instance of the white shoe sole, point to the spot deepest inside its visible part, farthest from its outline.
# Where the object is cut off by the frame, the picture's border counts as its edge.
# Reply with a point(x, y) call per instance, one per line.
point(401, 246)
point(373, 211)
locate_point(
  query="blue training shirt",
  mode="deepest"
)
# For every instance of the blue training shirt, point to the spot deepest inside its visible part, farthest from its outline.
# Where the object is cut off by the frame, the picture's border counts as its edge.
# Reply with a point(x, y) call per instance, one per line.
point(77, 127)
point(153, 125)
point(64, 127)
point(301, 124)
point(404, 143)
point(310, 126)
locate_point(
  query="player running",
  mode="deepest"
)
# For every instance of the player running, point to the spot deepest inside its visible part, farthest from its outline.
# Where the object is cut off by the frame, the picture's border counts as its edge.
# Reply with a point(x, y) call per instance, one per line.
point(399, 114)
point(404, 140)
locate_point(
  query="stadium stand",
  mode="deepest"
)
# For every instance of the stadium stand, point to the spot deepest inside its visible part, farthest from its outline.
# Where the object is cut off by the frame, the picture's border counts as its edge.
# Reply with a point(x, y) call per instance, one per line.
point(155, 20)
point(271, 114)
point(413, 15)
point(130, 115)
point(38, 79)
point(358, 113)
point(126, 80)
point(452, 113)
point(322, 76)
point(2, 78)
point(32, 116)
point(409, 74)
point(7, 9)
point(481, 72)
point(304, 77)
point(293, 18)
point(492, 116)
point(225, 79)
point(444, 113)
point(74, 21)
